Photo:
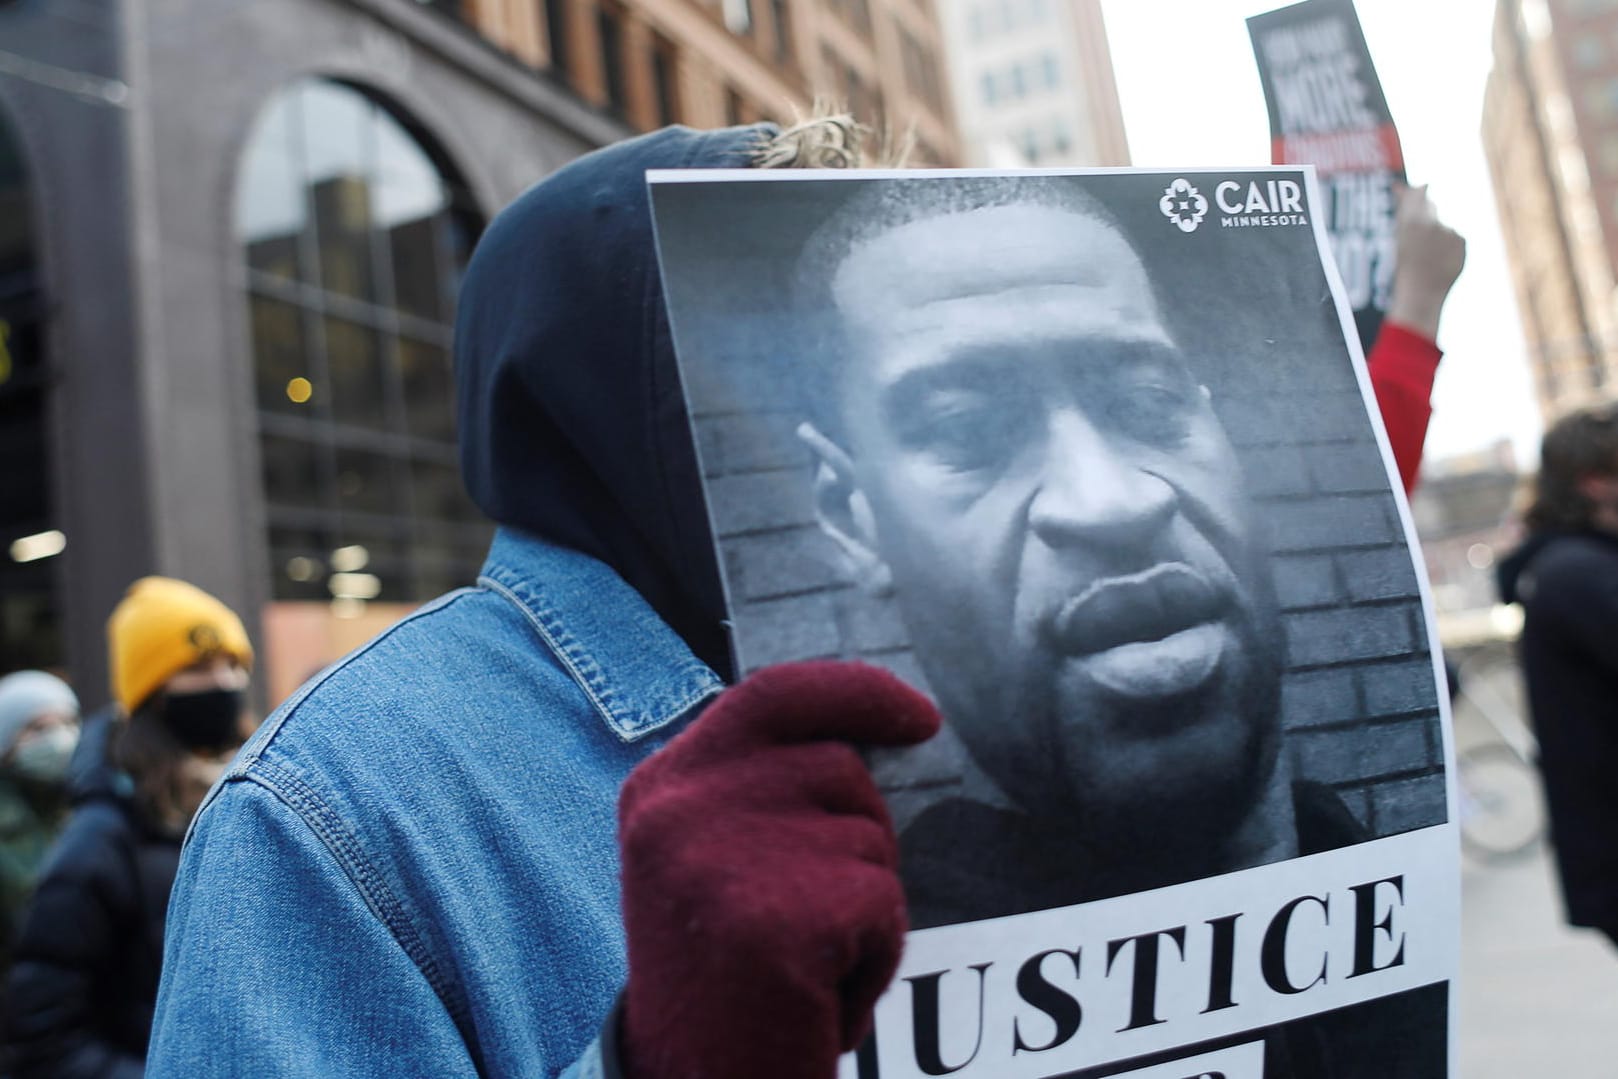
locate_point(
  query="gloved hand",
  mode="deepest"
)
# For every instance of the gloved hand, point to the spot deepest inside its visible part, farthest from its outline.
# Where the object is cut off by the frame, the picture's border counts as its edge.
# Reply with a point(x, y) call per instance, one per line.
point(761, 900)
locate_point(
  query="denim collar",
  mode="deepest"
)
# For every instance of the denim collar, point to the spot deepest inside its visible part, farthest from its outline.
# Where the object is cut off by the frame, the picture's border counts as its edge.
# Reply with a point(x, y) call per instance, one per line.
point(637, 672)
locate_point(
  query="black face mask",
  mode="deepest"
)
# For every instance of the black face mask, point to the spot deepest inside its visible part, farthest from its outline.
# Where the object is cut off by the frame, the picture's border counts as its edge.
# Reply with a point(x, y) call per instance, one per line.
point(205, 720)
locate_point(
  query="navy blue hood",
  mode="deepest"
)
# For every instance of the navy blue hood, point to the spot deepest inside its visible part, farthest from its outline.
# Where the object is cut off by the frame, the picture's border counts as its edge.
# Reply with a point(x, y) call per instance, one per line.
point(572, 422)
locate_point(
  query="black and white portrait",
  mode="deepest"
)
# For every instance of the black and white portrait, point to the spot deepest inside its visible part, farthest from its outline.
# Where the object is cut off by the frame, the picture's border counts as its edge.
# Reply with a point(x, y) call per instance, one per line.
point(1088, 460)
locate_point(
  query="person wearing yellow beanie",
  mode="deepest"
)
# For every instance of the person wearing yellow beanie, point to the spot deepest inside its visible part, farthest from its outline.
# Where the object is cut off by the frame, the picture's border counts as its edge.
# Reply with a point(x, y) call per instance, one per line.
point(88, 953)
point(163, 626)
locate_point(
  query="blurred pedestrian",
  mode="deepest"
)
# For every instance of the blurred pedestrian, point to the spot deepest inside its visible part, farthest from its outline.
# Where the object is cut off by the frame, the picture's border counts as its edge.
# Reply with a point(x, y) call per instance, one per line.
point(1566, 578)
point(39, 727)
point(81, 992)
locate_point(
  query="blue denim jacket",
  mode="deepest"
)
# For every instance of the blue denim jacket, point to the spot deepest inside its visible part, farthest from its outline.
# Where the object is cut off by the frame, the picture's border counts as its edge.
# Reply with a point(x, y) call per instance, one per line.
point(412, 869)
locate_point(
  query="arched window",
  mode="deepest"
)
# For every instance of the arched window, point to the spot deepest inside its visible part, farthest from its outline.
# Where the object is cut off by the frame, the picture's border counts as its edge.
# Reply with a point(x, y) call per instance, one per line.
point(354, 236)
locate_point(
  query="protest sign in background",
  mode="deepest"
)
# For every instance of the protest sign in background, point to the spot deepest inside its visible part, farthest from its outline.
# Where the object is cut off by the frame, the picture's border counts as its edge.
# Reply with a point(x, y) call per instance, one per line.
point(1327, 109)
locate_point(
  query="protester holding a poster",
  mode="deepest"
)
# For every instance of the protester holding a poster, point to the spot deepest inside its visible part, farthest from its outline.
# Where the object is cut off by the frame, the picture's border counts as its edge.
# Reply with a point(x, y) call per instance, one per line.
point(1404, 360)
point(413, 868)
point(1398, 262)
point(423, 839)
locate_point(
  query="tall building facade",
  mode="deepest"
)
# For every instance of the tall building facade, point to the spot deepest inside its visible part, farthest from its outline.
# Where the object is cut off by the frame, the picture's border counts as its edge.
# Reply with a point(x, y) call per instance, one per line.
point(1550, 131)
point(1033, 83)
point(708, 63)
point(231, 239)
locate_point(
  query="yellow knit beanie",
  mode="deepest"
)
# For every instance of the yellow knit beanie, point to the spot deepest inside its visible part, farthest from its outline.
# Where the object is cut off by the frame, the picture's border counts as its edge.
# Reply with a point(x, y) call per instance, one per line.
point(161, 627)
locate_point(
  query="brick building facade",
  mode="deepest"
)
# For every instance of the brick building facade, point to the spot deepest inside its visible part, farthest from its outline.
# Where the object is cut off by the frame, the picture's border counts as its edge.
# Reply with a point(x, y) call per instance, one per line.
point(708, 63)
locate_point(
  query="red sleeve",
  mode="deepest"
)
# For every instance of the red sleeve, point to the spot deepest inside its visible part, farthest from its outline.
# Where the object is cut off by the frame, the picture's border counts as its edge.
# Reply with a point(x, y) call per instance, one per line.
point(1403, 364)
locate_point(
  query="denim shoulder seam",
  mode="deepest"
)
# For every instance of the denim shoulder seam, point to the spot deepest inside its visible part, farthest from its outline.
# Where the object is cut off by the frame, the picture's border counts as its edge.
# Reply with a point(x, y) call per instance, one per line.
point(272, 726)
point(329, 828)
point(578, 663)
point(252, 755)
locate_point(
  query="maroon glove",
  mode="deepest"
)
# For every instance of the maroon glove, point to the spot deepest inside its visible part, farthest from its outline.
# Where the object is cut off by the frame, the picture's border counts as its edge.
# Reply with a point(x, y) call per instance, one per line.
point(761, 902)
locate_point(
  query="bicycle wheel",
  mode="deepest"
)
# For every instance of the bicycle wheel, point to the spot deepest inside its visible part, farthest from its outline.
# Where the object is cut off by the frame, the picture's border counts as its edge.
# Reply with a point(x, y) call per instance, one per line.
point(1502, 813)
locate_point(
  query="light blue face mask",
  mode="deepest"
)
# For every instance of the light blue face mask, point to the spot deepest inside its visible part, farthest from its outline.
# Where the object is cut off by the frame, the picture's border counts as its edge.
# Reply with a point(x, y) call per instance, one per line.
point(44, 757)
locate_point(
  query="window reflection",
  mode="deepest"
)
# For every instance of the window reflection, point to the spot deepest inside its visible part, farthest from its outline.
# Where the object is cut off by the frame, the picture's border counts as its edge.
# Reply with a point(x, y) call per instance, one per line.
point(439, 493)
point(279, 353)
point(298, 557)
point(359, 387)
point(334, 138)
point(270, 204)
point(355, 240)
point(428, 390)
point(294, 474)
point(342, 206)
point(415, 249)
point(365, 482)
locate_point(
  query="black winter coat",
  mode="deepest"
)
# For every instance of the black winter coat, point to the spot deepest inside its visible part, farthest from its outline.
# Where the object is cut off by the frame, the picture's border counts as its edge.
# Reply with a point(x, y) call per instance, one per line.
point(1568, 586)
point(79, 999)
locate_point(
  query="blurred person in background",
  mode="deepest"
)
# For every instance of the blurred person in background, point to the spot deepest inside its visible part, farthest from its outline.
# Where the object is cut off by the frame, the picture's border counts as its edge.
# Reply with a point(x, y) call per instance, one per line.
point(80, 996)
point(1566, 578)
point(39, 728)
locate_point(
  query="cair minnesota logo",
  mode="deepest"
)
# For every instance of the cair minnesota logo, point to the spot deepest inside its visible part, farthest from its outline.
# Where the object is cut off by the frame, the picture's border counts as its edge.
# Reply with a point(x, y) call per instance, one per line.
point(1260, 204)
point(1184, 205)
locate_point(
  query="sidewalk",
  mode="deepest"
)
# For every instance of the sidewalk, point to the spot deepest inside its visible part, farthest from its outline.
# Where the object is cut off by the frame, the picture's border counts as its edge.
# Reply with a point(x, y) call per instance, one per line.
point(1538, 999)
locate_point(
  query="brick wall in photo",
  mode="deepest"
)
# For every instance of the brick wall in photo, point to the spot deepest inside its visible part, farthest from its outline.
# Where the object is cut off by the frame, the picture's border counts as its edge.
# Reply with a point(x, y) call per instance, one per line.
point(1359, 701)
point(1251, 310)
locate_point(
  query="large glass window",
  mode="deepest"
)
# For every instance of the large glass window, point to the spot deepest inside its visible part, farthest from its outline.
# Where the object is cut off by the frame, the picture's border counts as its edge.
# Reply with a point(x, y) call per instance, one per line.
point(354, 238)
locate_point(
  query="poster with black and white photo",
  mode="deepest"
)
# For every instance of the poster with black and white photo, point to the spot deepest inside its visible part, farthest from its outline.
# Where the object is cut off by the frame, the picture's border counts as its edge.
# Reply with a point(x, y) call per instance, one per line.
point(1327, 109)
point(1091, 459)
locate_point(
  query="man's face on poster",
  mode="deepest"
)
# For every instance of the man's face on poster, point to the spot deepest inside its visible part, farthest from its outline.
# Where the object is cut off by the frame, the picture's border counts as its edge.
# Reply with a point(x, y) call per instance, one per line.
point(1027, 462)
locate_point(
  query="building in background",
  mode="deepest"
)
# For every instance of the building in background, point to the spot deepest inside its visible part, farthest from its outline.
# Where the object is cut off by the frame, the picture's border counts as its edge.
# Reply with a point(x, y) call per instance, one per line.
point(1033, 83)
point(1550, 131)
point(231, 238)
point(709, 63)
